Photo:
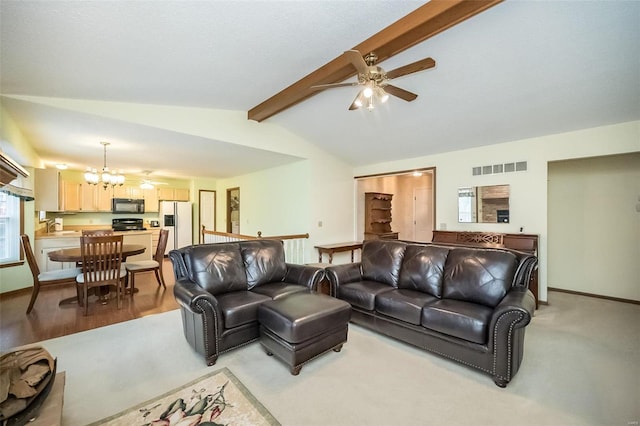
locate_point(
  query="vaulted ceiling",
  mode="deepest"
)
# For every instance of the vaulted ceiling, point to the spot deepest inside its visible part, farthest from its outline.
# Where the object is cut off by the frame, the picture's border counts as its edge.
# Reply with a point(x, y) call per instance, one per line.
point(517, 70)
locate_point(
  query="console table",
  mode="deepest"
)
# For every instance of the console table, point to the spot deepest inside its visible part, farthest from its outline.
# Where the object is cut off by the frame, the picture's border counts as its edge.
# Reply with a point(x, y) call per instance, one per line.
point(336, 248)
point(527, 243)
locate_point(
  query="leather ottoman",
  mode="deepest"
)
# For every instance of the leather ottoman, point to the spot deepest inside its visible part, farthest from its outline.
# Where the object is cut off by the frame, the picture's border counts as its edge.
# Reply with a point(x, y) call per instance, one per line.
point(299, 327)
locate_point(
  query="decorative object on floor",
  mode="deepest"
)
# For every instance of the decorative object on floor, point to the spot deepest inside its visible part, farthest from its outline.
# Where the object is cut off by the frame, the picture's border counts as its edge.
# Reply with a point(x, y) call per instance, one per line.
point(218, 398)
point(26, 377)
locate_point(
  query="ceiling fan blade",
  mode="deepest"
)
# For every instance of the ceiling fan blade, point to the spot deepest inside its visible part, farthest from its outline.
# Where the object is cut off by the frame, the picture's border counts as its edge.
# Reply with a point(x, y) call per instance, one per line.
point(421, 65)
point(400, 93)
point(332, 85)
point(354, 104)
point(357, 60)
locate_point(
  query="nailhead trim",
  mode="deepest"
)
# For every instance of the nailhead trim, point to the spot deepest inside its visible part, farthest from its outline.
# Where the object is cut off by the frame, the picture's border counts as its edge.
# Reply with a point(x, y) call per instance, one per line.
point(495, 342)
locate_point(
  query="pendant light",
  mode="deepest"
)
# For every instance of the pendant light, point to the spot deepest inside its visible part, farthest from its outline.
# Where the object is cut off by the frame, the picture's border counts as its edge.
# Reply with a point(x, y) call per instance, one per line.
point(107, 178)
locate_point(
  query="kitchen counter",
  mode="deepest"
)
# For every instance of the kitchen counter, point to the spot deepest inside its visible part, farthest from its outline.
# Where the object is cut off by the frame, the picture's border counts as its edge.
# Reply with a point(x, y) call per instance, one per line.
point(77, 233)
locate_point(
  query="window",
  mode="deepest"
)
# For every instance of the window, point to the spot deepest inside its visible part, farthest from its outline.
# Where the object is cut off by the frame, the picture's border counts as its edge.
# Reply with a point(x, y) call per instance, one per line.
point(10, 228)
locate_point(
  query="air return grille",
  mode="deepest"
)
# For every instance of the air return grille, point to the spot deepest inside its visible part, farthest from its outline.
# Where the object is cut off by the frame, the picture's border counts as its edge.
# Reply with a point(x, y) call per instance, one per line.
point(520, 166)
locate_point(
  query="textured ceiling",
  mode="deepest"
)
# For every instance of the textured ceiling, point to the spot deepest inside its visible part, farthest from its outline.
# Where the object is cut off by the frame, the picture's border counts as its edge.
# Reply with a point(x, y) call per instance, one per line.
point(521, 69)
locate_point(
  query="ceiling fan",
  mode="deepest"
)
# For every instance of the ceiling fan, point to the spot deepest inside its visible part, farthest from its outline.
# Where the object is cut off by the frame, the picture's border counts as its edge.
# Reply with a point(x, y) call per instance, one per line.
point(147, 183)
point(375, 80)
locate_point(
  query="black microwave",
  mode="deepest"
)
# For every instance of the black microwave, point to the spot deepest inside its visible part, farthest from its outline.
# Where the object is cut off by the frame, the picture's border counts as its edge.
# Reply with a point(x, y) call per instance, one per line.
point(127, 205)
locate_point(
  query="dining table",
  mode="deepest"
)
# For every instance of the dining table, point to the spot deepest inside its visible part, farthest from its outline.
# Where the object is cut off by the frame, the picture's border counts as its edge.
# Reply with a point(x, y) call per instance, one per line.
point(74, 254)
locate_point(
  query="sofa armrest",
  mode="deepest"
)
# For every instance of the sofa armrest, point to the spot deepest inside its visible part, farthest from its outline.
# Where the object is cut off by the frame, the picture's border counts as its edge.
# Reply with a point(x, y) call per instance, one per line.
point(506, 333)
point(308, 276)
point(343, 274)
point(518, 299)
point(191, 296)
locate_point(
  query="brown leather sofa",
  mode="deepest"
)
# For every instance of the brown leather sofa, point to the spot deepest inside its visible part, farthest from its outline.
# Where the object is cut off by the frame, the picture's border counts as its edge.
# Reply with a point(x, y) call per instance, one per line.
point(467, 304)
point(220, 286)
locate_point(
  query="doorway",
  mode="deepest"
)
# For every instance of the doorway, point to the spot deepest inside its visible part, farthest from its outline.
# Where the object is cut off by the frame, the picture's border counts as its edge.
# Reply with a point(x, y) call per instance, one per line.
point(413, 204)
point(207, 211)
point(233, 210)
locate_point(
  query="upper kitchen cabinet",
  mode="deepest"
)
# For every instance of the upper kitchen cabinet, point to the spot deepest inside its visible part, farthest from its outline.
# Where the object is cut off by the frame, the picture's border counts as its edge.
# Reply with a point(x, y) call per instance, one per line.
point(151, 201)
point(47, 190)
point(173, 194)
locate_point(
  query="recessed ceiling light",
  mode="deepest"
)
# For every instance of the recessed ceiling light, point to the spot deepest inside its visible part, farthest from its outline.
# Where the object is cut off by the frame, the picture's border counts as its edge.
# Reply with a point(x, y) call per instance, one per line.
point(61, 166)
point(417, 173)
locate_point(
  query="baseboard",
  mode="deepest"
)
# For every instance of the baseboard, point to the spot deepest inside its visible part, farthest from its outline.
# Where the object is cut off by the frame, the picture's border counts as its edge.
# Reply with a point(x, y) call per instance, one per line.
point(17, 292)
point(598, 296)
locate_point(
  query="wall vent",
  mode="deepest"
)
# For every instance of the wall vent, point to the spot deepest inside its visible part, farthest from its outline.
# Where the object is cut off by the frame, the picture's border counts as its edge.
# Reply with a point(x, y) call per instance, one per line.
point(520, 166)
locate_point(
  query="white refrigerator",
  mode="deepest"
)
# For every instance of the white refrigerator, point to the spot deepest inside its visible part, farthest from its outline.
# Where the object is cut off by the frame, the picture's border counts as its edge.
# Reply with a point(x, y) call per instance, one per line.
point(176, 217)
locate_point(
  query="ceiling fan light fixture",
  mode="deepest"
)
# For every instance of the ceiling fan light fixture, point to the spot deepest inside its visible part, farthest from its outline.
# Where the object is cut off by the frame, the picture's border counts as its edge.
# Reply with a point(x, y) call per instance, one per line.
point(146, 185)
point(367, 92)
point(382, 95)
point(370, 105)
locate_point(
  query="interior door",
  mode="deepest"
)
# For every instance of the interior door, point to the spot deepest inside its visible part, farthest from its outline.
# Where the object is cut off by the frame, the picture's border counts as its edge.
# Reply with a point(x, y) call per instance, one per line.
point(422, 214)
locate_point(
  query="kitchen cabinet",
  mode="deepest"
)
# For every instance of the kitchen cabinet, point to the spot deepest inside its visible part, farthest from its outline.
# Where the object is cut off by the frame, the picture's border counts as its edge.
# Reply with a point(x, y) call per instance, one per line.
point(96, 198)
point(89, 198)
point(71, 196)
point(155, 237)
point(173, 194)
point(104, 197)
point(151, 202)
point(122, 191)
point(44, 245)
point(47, 190)
point(143, 238)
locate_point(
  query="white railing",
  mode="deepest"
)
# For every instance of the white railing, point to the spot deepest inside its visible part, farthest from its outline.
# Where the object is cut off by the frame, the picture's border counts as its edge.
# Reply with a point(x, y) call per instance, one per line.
point(294, 245)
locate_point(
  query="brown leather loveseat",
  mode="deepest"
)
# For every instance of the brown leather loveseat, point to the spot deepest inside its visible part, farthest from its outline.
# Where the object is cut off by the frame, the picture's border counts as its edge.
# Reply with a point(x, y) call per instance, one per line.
point(220, 286)
point(467, 304)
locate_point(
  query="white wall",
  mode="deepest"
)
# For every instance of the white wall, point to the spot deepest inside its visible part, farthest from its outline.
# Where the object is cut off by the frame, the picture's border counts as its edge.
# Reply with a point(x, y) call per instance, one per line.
point(293, 199)
point(594, 225)
point(528, 200)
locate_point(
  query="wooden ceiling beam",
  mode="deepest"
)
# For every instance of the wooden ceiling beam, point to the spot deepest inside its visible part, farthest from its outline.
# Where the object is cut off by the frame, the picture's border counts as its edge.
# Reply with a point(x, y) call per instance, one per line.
point(419, 25)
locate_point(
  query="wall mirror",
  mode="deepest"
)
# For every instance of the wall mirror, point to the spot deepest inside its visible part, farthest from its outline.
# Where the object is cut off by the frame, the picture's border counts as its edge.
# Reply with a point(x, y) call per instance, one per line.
point(483, 204)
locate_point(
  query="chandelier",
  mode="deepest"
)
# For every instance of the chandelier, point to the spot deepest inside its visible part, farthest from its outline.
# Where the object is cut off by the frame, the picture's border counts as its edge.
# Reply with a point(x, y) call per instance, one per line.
point(105, 177)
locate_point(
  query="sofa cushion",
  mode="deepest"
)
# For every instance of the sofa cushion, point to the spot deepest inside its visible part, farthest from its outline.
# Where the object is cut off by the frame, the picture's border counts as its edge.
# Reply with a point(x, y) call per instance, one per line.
point(263, 261)
point(362, 294)
point(217, 268)
point(468, 321)
point(381, 260)
point(240, 307)
point(279, 289)
point(405, 305)
point(423, 268)
point(478, 275)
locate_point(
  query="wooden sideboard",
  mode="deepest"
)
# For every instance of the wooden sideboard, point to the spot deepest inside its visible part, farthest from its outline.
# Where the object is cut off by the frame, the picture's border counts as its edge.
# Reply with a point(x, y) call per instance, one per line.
point(527, 243)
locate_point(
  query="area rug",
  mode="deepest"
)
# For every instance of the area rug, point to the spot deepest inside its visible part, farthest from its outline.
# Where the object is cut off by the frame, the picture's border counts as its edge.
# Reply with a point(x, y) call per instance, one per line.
point(218, 398)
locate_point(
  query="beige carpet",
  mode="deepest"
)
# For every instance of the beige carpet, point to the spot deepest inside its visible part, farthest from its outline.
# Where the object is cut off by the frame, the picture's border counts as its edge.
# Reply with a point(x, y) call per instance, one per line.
point(581, 367)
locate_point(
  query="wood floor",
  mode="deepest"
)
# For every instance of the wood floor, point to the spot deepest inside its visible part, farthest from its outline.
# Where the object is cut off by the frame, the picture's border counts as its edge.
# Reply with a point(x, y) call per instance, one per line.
point(48, 320)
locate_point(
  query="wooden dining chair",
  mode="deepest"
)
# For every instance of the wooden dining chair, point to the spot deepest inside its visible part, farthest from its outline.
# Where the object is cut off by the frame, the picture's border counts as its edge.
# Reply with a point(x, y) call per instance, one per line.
point(61, 276)
point(96, 232)
point(101, 265)
point(154, 265)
